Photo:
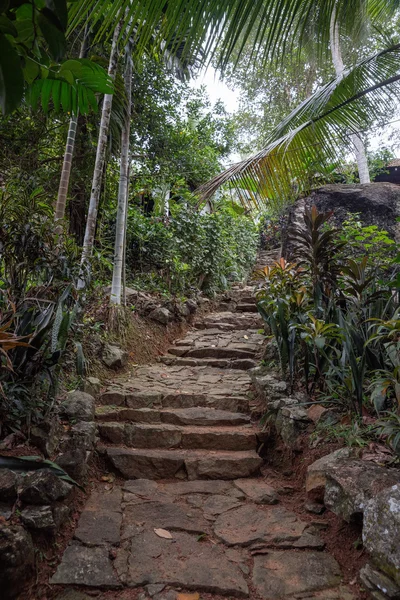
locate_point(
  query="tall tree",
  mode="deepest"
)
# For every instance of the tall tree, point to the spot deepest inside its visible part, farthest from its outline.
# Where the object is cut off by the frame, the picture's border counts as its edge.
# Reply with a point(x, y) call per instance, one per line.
point(337, 59)
point(100, 161)
point(120, 230)
point(59, 212)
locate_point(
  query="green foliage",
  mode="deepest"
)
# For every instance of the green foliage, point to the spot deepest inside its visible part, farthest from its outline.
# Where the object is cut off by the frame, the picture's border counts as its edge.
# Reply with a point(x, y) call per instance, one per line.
point(388, 428)
point(335, 324)
point(37, 306)
point(190, 250)
point(32, 42)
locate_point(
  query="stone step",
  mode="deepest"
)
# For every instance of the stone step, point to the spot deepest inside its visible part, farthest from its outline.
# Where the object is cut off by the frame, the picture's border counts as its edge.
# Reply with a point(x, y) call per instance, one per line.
point(244, 364)
point(241, 320)
point(175, 436)
point(247, 307)
point(197, 416)
point(237, 403)
point(183, 464)
point(213, 352)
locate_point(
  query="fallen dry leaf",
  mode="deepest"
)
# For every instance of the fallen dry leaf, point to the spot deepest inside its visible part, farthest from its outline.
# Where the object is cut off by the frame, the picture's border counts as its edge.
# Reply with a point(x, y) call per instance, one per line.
point(194, 596)
point(163, 533)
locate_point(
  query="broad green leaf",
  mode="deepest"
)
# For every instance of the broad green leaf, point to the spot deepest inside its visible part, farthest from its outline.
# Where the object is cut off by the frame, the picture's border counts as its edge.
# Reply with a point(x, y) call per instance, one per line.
point(59, 8)
point(24, 12)
point(52, 32)
point(31, 70)
point(7, 26)
point(25, 30)
point(11, 76)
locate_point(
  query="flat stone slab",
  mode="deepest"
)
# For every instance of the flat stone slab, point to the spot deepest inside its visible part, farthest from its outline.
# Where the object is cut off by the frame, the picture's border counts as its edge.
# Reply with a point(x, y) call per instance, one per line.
point(161, 515)
point(197, 487)
point(216, 505)
point(86, 566)
point(250, 524)
point(282, 574)
point(183, 562)
point(258, 491)
point(100, 520)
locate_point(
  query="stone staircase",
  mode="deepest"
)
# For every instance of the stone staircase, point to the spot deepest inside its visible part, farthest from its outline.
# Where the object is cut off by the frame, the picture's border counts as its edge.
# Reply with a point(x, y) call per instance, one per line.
point(188, 416)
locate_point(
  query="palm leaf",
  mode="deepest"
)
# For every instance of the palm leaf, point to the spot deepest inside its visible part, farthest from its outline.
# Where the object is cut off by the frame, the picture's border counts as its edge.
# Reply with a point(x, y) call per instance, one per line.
point(318, 127)
point(226, 25)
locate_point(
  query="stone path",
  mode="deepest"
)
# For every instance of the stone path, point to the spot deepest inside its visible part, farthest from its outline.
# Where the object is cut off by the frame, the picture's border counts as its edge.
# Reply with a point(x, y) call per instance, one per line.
point(192, 516)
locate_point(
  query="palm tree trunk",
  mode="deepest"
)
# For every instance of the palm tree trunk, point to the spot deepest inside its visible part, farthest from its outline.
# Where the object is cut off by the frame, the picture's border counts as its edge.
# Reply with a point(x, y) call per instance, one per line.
point(125, 229)
point(337, 60)
point(69, 151)
point(100, 161)
point(115, 297)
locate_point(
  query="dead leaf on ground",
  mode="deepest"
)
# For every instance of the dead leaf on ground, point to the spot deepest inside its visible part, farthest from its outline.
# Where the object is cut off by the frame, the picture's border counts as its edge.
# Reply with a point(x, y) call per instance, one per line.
point(195, 596)
point(163, 533)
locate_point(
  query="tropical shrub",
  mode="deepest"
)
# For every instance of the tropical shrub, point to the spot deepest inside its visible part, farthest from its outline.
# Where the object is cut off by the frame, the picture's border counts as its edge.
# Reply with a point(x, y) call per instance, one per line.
point(335, 324)
point(190, 250)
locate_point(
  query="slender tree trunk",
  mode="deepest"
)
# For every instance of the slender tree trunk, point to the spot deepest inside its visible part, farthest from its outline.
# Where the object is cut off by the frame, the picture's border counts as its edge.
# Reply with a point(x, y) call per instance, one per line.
point(115, 296)
point(125, 230)
point(99, 163)
point(69, 151)
point(337, 60)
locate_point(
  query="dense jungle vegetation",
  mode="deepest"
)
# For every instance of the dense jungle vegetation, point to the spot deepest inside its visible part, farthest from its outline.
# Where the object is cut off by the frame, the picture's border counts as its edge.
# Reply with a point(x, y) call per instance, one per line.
point(110, 174)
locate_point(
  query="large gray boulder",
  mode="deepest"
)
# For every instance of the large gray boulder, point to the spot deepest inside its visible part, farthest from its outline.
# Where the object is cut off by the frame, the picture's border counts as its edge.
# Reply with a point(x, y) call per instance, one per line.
point(377, 203)
point(16, 560)
point(381, 531)
point(351, 483)
point(161, 315)
point(79, 406)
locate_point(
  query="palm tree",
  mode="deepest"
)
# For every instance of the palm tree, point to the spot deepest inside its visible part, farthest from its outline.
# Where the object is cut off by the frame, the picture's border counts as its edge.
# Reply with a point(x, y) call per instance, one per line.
point(315, 130)
point(120, 235)
point(59, 212)
point(100, 161)
point(361, 157)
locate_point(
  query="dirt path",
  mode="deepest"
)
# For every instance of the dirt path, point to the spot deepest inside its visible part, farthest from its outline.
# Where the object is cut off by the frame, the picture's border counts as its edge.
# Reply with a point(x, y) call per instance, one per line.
point(193, 516)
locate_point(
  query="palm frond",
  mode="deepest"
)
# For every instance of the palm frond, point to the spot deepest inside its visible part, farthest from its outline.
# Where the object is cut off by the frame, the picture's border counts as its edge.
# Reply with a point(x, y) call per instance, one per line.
point(226, 25)
point(317, 129)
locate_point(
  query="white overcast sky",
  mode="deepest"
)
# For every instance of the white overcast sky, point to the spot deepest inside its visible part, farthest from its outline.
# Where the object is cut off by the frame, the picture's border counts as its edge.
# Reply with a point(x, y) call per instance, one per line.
point(218, 90)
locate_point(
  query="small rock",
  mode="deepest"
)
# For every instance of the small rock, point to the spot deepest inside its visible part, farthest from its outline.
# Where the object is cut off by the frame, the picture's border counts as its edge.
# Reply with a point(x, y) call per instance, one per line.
point(79, 406)
point(8, 485)
point(39, 518)
point(161, 315)
point(92, 386)
point(314, 508)
point(259, 491)
point(46, 436)
point(43, 487)
point(316, 472)
point(114, 357)
point(381, 530)
point(5, 510)
point(192, 305)
point(154, 588)
point(319, 414)
point(16, 560)
point(184, 310)
point(378, 582)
